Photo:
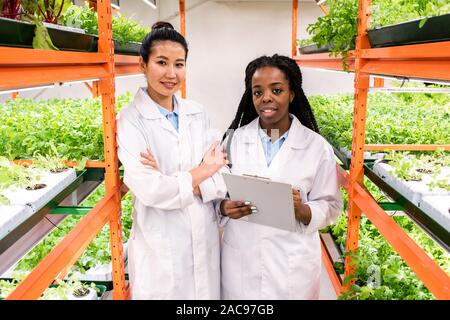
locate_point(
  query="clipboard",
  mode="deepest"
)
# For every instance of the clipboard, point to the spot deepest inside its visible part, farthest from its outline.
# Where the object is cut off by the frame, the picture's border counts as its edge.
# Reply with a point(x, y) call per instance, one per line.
point(273, 200)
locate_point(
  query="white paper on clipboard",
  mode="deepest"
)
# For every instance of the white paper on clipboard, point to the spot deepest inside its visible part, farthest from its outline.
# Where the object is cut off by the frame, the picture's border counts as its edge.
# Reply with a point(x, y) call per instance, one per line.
point(273, 199)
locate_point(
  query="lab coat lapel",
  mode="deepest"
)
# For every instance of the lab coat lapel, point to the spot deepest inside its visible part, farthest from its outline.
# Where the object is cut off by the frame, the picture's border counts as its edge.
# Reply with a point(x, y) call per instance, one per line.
point(294, 142)
point(186, 112)
point(149, 110)
point(254, 150)
point(184, 117)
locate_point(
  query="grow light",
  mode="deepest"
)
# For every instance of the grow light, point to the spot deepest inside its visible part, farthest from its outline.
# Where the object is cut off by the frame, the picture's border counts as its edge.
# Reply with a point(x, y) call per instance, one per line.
point(410, 90)
point(26, 89)
point(115, 4)
point(406, 79)
point(137, 75)
point(76, 82)
point(151, 3)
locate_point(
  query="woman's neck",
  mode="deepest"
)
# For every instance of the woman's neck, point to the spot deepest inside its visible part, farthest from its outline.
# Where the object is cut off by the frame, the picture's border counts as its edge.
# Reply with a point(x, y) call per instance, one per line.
point(164, 101)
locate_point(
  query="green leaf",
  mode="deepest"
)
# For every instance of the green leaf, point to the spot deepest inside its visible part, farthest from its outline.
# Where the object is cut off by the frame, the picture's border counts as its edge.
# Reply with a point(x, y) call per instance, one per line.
point(355, 288)
point(41, 38)
point(422, 22)
point(29, 6)
point(81, 164)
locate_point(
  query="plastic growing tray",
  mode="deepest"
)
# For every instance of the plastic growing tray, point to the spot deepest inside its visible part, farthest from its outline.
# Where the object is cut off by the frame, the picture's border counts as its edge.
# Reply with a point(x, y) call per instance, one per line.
point(129, 48)
point(438, 208)
point(435, 29)
point(313, 48)
point(36, 199)
point(93, 295)
point(414, 191)
point(101, 273)
point(18, 33)
point(11, 216)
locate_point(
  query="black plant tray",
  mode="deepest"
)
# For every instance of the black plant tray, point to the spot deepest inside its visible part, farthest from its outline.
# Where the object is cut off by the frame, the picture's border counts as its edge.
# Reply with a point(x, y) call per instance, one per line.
point(314, 49)
point(17, 33)
point(129, 48)
point(435, 29)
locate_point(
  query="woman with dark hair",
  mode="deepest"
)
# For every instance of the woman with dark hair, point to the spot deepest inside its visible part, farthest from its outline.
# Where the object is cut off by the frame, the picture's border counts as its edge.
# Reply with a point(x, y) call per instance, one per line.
point(276, 136)
point(162, 140)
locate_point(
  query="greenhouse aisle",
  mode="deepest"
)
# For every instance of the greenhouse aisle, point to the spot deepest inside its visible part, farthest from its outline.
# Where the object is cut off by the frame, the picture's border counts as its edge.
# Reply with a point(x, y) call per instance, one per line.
point(327, 291)
point(326, 288)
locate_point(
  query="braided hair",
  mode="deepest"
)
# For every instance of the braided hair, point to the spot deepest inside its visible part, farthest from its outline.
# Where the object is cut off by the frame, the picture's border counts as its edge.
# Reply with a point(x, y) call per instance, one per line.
point(299, 106)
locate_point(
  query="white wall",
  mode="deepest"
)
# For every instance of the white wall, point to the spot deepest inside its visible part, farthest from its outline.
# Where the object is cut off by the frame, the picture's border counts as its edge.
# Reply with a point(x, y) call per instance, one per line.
point(223, 37)
point(135, 9)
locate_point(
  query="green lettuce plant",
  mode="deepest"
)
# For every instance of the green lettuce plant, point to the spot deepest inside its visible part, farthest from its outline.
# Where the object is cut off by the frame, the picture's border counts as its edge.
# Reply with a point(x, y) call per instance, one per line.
point(388, 12)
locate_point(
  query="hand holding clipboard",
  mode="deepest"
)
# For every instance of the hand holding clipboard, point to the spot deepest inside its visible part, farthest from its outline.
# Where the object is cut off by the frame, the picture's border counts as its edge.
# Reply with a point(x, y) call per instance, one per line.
point(273, 200)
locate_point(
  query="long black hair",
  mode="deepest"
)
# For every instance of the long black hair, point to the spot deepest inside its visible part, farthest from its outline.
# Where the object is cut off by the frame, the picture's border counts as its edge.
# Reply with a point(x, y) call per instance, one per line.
point(299, 106)
point(161, 31)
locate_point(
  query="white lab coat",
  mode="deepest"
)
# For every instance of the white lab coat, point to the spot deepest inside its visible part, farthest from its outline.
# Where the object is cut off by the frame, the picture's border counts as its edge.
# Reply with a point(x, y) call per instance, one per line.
point(174, 242)
point(260, 262)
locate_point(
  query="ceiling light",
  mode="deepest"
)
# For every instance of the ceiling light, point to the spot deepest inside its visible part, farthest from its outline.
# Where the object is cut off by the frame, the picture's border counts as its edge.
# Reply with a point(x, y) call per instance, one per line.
point(151, 3)
point(137, 75)
point(69, 83)
point(115, 4)
point(26, 89)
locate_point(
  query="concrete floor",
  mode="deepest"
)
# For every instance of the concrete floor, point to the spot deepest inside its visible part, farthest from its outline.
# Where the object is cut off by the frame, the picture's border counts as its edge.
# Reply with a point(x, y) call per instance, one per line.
point(326, 288)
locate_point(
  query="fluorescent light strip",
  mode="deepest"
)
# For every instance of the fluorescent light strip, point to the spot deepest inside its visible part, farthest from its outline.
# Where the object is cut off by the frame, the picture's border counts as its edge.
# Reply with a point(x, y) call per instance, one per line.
point(409, 90)
point(400, 79)
point(76, 82)
point(151, 4)
point(26, 89)
point(406, 79)
point(325, 70)
point(137, 75)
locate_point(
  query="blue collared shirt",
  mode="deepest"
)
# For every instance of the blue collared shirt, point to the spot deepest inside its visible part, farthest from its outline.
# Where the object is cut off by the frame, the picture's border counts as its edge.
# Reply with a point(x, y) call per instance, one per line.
point(271, 148)
point(171, 116)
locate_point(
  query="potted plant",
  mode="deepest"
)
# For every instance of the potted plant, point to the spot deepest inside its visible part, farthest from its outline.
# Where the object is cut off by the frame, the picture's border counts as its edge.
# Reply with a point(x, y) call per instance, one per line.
point(404, 22)
point(10, 9)
point(338, 29)
point(307, 46)
point(37, 26)
point(127, 33)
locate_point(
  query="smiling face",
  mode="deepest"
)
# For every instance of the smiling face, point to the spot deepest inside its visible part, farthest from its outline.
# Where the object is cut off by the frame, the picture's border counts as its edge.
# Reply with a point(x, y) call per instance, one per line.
point(271, 97)
point(165, 70)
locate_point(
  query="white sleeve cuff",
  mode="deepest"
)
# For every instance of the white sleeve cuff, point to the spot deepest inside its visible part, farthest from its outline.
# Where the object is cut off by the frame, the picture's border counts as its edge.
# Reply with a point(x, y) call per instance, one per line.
point(318, 218)
point(221, 219)
point(213, 188)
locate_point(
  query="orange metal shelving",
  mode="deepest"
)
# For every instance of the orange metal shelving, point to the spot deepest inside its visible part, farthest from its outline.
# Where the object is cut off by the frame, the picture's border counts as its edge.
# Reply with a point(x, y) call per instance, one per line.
point(28, 67)
point(183, 33)
point(422, 61)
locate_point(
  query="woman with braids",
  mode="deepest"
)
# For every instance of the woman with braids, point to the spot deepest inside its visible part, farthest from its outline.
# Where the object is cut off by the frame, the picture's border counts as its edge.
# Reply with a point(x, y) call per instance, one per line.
point(276, 136)
point(162, 140)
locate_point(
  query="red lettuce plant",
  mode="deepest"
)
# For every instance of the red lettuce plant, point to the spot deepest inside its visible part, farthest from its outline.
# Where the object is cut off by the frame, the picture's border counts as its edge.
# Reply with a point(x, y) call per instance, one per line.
point(10, 9)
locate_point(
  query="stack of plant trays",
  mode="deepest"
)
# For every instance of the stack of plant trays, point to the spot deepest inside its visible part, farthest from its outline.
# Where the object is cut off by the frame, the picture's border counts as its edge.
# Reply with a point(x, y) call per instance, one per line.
point(434, 202)
point(434, 29)
point(24, 203)
point(17, 33)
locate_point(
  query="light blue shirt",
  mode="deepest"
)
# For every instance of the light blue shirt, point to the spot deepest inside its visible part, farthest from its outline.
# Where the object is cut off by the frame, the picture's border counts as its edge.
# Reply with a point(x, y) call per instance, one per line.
point(171, 116)
point(271, 148)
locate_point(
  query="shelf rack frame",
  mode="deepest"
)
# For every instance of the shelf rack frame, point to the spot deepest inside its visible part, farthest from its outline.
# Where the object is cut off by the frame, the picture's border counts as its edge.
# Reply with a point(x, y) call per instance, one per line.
point(21, 68)
point(421, 61)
